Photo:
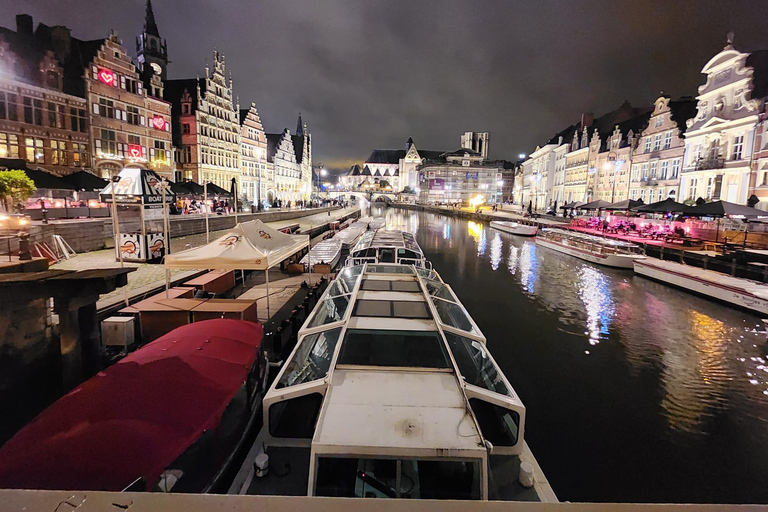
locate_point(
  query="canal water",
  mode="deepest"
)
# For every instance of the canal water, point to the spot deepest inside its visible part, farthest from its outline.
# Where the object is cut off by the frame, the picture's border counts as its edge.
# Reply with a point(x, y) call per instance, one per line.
point(635, 391)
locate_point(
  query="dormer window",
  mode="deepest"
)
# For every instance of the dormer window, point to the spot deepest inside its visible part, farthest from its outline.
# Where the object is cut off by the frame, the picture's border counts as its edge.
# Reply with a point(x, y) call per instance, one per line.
point(52, 79)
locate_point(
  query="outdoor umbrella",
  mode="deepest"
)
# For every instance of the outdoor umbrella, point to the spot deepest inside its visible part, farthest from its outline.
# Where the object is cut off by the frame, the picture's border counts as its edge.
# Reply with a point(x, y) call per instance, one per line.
point(721, 209)
point(530, 207)
point(195, 188)
point(84, 180)
point(626, 204)
point(180, 189)
point(233, 191)
point(217, 190)
point(47, 180)
point(668, 205)
point(595, 205)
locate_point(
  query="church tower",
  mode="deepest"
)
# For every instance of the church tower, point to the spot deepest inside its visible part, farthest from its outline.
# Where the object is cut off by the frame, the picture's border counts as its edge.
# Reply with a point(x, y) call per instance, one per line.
point(151, 50)
point(300, 127)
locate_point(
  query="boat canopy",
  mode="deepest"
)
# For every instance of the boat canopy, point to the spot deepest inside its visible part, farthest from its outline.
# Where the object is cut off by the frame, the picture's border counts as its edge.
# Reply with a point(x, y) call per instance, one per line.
point(137, 417)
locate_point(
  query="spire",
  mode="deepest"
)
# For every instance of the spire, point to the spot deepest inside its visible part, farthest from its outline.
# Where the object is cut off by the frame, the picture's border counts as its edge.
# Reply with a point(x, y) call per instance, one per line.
point(300, 127)
point(150, 26)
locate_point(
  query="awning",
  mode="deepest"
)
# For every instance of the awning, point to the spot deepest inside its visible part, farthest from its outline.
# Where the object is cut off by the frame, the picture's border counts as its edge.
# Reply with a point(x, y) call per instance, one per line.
point(668, 205)
point(84, 180)
point(724, 209)
point(216, 190)
point(138, 186)
point(626, 204)
point(135, 418)
point(248, 246)
point(595, 205)
point(46, 180)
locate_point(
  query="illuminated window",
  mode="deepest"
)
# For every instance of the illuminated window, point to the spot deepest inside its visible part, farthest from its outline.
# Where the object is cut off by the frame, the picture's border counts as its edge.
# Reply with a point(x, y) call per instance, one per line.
point(58, 152)
point(79, 154)
point(667, 140)
point(692, 188)
point(9, 146)
point(675, 169)
point(647, 144)
point(664, 169)
point(657, 142)
point(738, 146)
point(34, 150)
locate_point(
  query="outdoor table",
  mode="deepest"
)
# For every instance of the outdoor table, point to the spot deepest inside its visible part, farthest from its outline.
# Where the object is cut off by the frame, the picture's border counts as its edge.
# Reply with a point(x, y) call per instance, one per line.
point(173, 293)
point(215, 281)
point(225, 308)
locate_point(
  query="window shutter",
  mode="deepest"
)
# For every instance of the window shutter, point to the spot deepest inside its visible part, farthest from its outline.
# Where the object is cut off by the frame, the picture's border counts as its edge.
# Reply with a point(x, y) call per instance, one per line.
point(143, 121)
point(167, 126)
point(122, 81)
point(168, 155)
point(125, 116)
point(95, 72)
point(143, 152)
point(151, 153)
point(139, 88)
point(98, 144)
point(95, 108)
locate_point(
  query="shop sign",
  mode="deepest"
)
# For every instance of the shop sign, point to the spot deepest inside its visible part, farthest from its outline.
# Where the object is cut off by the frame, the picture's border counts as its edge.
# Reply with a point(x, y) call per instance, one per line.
point(108, 77)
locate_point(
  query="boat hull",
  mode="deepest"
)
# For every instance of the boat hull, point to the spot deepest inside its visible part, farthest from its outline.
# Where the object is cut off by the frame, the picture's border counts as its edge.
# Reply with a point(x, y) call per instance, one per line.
point(623, 261)
point(513, 228)
point(730, 290)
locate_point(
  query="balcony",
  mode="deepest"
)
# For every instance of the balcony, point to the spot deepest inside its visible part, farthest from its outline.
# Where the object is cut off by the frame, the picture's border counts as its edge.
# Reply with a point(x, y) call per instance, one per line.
point(703, 164)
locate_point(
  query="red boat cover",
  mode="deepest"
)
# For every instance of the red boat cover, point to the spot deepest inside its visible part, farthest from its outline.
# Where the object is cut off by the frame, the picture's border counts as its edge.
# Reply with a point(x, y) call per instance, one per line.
point(135, 418)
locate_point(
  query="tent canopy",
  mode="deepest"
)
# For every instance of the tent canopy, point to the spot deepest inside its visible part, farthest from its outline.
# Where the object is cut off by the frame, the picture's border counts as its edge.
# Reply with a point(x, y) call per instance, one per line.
point(248, 246)
point(216, 190)
point(594, 205)
point(572, 204)
point(47, 180)
point(724, 209)
point(626, 204)
point(668, 205)
point(138, 186)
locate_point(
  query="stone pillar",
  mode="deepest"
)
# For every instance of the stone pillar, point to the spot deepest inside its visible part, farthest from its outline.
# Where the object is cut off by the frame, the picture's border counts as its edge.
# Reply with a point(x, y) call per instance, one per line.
point(78, 338)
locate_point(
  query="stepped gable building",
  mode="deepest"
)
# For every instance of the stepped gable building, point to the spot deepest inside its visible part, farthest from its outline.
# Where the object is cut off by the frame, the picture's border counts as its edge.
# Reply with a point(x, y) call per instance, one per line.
point(281, 155)
point(43, 113)
point(151, 53)
point(129, 127)
point(658, 157)
point(206, 126)
point(255, 176)
point(720, 138)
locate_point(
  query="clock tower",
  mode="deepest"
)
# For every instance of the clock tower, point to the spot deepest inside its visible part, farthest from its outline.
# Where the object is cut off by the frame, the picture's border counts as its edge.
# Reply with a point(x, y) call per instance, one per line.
point(151, 51)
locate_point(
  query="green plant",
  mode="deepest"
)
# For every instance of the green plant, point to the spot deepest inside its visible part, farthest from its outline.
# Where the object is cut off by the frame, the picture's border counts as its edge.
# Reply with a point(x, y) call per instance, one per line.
point(408, 190)
point(15, 187)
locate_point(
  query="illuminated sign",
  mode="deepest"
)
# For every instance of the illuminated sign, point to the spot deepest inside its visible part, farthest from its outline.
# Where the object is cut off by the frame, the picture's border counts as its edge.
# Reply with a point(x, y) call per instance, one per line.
point(470, 176)
point(134, 151)
point(158, 122)
point(108, 77)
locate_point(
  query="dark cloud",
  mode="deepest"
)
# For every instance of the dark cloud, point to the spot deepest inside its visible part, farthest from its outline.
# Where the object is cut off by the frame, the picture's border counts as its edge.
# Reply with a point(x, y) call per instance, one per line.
point(370, 74)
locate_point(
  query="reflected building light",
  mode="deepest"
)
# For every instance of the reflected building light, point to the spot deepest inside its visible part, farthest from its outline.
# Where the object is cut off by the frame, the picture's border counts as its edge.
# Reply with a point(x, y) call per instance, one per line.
point(475, 230)
point(595, 293)
point(529, 267)
point(446, 231)
point(481, 244)
point(496, 250)
point(513, 260)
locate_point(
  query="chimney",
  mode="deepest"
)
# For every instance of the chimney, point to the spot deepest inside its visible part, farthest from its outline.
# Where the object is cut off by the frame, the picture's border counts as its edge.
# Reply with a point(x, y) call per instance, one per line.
point(24, 24)
point(586, 119)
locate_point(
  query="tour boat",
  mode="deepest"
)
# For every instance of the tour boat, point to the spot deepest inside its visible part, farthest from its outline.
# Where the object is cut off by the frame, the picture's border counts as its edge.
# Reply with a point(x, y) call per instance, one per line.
point(326, 252)
point(387, 246)
point(172, 416)
point(377, 223)
point(514, 228)
point(350, 235)
point(735, 291)
point(391, 392)
point(595, 249)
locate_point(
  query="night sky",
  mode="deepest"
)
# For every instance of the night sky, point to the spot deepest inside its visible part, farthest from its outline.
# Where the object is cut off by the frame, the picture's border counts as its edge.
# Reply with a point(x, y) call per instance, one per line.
point(369, 74)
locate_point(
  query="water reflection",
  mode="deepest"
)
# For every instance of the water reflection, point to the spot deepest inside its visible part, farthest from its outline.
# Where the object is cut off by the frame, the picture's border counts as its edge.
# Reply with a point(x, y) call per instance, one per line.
point(595, 293)
point(496, 250)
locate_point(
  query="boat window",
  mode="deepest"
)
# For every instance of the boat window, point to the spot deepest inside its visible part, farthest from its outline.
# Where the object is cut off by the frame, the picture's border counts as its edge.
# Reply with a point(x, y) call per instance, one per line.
point(453, 315)
point(426, 273)
point(378, 286)
point(393, 349)
point(349, 275)
point(475, 365)
point(389, 269)
point(295, 418)
point(439, 289)
point(498, 425)
point(387, 255)
point(389, 308)
point(405, 286)
point(405, 253)
point(338, 287)
point(311, 360)
point(330, 310)
point(419, 479)
point(385, 286)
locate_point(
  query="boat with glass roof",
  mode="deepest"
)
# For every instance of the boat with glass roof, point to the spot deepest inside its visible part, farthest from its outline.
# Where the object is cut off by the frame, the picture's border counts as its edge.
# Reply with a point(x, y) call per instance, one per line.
point(350, 235)
point(387, 246)
point(595, 249)
point(391, 392)
point(325, 252)
point(515, 228)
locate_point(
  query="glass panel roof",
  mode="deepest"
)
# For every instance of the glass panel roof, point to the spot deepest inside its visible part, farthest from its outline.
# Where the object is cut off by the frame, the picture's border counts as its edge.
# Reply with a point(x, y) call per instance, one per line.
point(338, 287)
point(349, 275)
point(453, 315)
point(439, 289)
point(475, 365)
point(311, 360)
point(393, 349)
point(389, 269)
point(330, 310)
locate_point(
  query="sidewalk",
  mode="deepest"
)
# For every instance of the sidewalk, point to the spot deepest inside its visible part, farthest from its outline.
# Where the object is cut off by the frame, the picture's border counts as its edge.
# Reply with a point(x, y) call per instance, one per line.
point(149, 276)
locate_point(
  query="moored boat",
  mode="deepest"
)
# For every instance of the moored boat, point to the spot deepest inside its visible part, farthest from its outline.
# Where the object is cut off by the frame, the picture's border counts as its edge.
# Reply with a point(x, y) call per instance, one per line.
point(387, 246)
point(515, 228)
point(391, 392)
point(350, 235)
point(170, 416)
point(377, 223)
point(595, 249)
point(325, 252)
point(735, 291)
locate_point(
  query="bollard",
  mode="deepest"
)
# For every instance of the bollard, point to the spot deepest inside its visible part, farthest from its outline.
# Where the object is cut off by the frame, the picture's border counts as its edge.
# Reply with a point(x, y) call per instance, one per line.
point(301, 311)
point(294, 325)
point(24, 254)
point(277, 340)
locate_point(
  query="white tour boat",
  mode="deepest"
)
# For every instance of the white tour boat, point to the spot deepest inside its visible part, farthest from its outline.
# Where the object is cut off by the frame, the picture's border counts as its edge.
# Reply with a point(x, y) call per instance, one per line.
point(391, 392)
point(377, 223)
point(736, 291)
point(387, 246)
point(515, 228)
point(595, 249)
point(326, 251)
point(350, 235)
